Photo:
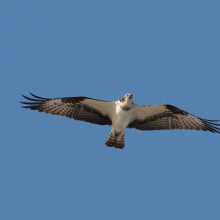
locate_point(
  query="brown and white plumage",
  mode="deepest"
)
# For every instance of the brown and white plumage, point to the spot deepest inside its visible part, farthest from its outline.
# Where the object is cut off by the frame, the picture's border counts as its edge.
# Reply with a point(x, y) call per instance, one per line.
point(79, 108)
point(168, 117)
point(121, 114)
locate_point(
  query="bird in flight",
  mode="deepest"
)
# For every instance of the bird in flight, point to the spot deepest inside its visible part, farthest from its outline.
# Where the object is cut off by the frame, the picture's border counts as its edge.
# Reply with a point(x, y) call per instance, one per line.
point(121, 114)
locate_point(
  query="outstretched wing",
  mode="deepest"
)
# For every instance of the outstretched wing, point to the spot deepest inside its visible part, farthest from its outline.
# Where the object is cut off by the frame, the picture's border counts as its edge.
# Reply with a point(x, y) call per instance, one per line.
point(167, 117)
point(79, 108)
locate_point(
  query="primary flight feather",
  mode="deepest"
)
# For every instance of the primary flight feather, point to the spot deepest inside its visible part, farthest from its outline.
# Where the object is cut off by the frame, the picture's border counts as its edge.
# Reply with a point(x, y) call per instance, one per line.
point(121, 114)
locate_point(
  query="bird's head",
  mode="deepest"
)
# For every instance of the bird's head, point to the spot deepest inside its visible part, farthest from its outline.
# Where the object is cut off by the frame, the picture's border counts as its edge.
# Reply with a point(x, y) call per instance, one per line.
point(127, 99)
point(128, 96)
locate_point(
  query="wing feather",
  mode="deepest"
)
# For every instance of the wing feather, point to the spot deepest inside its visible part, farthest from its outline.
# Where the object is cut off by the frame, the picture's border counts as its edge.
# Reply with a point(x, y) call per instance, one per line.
point(167, 117)
point(80, 108)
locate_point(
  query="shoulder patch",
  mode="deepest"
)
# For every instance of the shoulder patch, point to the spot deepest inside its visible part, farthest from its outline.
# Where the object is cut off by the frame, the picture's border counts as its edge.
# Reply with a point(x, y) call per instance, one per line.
point(73, 100)
point(176, 110)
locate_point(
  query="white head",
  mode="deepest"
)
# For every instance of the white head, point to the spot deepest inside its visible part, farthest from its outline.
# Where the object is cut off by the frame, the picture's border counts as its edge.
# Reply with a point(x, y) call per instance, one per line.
point(127, 100)
point(129, 96)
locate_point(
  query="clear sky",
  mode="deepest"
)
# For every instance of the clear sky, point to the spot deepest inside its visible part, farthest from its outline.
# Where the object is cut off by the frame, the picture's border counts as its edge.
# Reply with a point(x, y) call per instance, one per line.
point(160, 51)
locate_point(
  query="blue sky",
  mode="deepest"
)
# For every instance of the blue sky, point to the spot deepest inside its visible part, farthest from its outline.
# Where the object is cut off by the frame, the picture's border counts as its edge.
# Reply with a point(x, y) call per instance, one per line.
point(160, 51)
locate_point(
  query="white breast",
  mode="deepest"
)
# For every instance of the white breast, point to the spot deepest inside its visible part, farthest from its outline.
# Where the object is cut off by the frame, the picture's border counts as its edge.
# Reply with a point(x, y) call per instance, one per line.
point(121, 118)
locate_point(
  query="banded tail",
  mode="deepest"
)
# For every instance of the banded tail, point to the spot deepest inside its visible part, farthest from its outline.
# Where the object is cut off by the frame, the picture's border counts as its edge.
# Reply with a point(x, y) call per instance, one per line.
point(114, 140)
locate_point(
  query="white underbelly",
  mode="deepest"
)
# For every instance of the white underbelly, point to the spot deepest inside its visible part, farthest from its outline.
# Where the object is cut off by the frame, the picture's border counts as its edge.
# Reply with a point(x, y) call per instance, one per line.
point(121, 119)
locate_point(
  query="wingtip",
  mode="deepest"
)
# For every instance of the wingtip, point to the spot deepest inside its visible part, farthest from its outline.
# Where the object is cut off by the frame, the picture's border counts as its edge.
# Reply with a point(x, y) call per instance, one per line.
point(38, 97)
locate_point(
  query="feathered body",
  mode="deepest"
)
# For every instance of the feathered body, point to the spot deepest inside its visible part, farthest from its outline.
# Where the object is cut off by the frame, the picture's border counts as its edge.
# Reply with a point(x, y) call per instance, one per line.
point(121, 114)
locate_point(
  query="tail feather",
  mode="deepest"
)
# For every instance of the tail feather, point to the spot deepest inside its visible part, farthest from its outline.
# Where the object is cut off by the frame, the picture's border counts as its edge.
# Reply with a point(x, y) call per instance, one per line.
point(117, 141)
point(110, 142)
point(120, 143)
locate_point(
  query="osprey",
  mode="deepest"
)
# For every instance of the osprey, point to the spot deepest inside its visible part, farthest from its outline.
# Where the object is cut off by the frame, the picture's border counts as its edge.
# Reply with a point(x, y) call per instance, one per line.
point(121, 114)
